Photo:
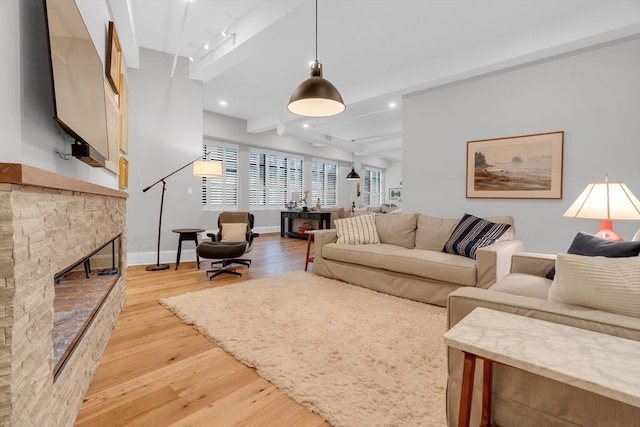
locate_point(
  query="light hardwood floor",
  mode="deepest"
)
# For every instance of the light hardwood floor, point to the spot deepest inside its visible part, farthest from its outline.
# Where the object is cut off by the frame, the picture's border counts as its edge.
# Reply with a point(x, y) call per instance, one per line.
point(157, 371)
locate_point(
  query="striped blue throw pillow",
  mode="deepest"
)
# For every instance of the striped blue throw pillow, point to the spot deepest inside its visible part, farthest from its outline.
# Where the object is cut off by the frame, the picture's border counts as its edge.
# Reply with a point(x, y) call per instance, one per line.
point(472, 233)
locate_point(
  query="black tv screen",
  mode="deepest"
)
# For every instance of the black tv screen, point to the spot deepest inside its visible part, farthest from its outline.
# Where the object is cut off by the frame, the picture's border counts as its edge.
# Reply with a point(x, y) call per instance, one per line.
point(78, 81)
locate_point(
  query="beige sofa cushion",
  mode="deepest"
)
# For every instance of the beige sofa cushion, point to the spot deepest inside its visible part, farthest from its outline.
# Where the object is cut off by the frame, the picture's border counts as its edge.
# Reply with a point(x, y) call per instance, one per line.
point(432, 233)
point(397, 229)
point(369, 255)
point(434, 265)
point(608, 284)
point(336, 213)
point(528, 285)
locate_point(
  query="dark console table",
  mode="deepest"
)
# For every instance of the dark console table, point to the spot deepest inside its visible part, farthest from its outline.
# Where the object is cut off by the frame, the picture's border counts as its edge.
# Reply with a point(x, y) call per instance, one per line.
point(323, 218)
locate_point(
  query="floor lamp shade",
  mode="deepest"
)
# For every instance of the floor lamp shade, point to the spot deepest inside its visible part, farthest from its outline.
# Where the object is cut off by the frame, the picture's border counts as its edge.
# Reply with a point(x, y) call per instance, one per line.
point(606, 201)
point(207, 169)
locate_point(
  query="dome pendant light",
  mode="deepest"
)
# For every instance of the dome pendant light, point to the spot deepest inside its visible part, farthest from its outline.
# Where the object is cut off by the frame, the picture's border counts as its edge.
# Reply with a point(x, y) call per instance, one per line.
point(353, 175)
point(316, 96)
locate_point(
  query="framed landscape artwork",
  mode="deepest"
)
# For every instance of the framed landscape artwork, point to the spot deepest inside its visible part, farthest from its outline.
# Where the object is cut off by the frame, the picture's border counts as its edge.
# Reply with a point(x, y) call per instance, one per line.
point(395, 193)
point(516, 167)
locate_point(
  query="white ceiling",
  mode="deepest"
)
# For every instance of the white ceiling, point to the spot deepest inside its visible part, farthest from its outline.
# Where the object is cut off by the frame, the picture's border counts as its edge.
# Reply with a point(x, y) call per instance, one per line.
point(373, 51)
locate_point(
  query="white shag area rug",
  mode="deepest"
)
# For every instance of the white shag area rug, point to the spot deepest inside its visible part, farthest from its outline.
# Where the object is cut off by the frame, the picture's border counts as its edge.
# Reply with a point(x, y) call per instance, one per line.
point(354, 356)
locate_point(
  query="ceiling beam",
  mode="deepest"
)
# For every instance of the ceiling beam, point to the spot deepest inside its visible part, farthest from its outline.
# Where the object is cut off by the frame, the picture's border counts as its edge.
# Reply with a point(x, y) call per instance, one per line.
point(246, 29)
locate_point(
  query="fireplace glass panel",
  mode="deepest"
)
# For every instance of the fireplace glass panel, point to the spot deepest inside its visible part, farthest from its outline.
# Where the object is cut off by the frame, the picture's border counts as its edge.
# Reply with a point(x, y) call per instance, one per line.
point(80, 291)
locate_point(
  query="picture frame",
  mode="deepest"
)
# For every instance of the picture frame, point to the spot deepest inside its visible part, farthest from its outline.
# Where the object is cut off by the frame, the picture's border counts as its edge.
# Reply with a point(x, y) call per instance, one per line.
point(516, 167)
point(123, 134)
point(113, 64)
point(112, 116)
point(123, 173)
point(395, 193)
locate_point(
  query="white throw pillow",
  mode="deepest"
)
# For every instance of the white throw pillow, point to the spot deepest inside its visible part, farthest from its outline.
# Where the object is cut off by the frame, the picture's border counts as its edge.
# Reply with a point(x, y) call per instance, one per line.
point(357, 230)
point(233, 231)
point(608, 284)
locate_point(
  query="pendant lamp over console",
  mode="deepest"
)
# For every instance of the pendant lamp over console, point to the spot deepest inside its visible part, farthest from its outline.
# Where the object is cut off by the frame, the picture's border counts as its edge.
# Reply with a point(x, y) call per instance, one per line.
point(316, 96)
point(353, 175)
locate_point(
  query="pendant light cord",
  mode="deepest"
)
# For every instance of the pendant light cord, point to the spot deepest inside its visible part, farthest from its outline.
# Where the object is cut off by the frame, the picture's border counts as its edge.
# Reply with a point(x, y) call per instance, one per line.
point(316, 30)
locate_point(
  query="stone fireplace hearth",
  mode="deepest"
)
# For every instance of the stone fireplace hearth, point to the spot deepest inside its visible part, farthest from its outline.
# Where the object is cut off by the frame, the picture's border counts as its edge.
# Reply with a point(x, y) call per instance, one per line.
point(47, 223)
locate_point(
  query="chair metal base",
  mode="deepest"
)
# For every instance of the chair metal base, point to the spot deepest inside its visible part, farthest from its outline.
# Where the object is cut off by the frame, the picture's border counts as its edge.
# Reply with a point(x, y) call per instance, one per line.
point(242, 261)
point(223, 270)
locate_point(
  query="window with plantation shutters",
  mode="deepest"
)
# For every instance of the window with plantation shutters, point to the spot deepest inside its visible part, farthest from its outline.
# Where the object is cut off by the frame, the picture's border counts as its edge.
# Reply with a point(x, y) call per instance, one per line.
point(273, 176)
point(221, 193)
point(324, 182)
point(372, 190)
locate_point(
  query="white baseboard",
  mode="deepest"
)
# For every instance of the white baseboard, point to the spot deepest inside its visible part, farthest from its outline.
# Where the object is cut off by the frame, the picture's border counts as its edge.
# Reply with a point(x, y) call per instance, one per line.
point(166, 257)
point(187, 255)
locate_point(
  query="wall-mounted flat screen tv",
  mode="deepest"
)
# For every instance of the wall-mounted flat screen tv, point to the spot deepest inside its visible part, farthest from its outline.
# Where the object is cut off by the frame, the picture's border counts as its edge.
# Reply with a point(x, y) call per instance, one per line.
point(77, 81)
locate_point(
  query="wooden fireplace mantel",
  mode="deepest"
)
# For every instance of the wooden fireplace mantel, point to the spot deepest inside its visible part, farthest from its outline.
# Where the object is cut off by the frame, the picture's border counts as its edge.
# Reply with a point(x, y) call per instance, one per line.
point(17, 173)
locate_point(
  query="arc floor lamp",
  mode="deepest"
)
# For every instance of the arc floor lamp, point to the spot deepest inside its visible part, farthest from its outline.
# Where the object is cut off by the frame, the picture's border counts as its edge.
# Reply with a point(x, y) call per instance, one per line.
point(201, 168)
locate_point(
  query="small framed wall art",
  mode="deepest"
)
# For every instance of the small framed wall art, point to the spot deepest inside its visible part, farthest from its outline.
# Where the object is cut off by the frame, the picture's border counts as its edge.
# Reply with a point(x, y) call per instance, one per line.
point(395, 193)
point(123, 173)
point(516, 167)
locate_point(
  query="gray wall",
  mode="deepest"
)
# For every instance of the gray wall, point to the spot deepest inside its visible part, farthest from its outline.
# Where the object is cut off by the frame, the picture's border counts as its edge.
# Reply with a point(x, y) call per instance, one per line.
point(592, 95)
point(165, 116)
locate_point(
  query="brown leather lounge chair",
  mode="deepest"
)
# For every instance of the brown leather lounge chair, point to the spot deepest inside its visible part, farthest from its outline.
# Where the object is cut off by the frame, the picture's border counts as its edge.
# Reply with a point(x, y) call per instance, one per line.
point(233, 240)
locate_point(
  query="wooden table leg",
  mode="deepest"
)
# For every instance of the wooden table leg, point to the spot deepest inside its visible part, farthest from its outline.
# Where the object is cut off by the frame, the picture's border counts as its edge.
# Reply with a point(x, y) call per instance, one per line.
point(307, 258)
point(487, 370)
point(195, 238)
point(179, 250)
point(464, 417)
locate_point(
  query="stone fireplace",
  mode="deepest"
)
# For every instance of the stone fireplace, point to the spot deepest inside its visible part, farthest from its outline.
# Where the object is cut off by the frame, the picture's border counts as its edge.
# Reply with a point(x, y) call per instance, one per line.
point(47, 223)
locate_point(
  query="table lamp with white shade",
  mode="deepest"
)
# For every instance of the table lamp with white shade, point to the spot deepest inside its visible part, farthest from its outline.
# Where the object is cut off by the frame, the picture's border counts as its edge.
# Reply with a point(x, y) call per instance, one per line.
point(606, 201)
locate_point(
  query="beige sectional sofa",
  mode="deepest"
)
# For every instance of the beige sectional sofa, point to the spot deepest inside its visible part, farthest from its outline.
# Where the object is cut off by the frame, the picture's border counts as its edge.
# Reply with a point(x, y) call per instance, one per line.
point(523, 399)
point(409, 261)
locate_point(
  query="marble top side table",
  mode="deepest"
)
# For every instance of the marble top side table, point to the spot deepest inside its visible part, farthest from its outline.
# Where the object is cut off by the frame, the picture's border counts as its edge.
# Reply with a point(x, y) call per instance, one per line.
point(593, 361)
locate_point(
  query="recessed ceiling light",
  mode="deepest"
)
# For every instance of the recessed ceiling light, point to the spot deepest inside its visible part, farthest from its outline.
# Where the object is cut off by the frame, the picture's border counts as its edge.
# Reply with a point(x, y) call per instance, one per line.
point(223, 103)
point(191, 58)
point(206, 45)
point(392, 105)
point(305, 125)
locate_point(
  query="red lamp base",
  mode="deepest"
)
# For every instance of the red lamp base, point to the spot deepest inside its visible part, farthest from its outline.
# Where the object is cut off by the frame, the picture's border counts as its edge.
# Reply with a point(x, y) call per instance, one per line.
point(606, 231)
